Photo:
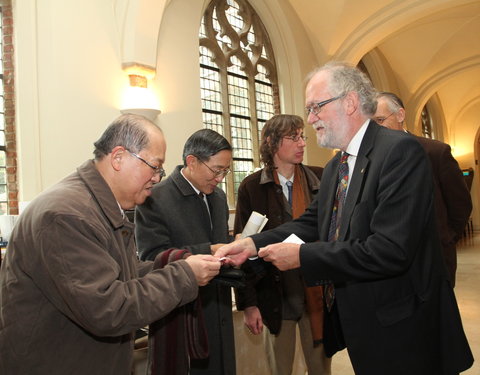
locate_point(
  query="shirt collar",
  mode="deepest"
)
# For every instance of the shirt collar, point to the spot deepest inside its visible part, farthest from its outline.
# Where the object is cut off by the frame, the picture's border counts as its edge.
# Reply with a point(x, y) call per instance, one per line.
point(283, 180)
point(193, 187)
point(354, 145)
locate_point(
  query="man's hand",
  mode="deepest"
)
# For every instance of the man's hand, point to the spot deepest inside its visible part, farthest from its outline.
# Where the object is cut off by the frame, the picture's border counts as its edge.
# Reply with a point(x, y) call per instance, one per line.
point(215, 247)
point(253, 319)
point(237, 252)
point(284, 256)
point(205, 267)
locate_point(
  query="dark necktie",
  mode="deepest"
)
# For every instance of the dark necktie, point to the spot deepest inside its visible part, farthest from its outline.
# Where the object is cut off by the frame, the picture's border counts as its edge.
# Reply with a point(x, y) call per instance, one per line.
point(290, 190)
point(339, 198)
point(336, 217)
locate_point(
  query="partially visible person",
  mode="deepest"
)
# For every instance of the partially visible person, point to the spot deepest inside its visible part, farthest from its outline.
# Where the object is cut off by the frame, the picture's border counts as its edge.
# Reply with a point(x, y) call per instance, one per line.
point(453, 203)
point(277, 298)
point(72, 291)
point(371, 238)
point(189, 211)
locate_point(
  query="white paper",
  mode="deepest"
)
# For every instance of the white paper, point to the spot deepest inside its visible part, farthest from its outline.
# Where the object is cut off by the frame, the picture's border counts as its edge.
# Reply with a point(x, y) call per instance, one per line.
point(293, 238)
point(254, 225)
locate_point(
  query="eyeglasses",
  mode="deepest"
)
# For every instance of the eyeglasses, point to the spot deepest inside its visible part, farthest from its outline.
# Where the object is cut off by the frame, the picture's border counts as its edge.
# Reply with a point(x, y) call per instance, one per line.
point(315, 108)
point(157, 170)
point(381, 120)
point(296, 138)
point(218, 172)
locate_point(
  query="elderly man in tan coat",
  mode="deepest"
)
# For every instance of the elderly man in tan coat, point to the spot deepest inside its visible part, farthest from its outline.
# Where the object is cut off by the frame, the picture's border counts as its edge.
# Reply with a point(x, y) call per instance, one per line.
point(73, 291)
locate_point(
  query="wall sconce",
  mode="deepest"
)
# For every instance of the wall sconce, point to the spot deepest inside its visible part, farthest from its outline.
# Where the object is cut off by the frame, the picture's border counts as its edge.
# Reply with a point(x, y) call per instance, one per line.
point(138, 98)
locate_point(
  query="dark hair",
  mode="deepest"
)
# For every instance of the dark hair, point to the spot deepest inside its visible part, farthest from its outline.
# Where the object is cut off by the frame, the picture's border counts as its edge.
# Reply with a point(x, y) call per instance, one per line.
point(205, 143)
point(273, 131)
point(129, 131)
point(394, 102)
point(344, 78)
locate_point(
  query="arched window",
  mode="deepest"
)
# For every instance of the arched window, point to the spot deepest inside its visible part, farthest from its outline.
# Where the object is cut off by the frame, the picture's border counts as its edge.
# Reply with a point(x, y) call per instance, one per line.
point(238, 82)
point(427, 127)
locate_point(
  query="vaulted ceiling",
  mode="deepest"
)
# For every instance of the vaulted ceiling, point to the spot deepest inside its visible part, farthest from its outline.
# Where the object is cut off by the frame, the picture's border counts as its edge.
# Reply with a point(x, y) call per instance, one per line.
point(431, 46)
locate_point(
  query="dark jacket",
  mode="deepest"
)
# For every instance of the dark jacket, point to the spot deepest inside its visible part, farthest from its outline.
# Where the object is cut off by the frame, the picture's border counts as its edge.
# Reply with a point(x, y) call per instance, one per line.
point(453, 203)
point(267, 287)
point(175, 216)
point(395, 309)
point(72, 289)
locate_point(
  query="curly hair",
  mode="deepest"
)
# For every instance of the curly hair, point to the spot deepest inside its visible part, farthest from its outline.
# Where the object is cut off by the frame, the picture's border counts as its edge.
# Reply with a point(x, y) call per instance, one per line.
point(273, 131)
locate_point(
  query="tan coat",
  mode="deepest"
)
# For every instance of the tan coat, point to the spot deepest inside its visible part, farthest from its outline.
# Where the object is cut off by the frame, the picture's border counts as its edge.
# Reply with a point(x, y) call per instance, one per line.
point(72, 290)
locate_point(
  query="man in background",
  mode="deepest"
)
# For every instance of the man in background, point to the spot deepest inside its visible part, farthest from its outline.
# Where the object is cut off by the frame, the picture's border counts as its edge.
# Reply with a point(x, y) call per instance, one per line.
point(189, 211)
point(453, 203)
point(72, 289)
point(282, 190)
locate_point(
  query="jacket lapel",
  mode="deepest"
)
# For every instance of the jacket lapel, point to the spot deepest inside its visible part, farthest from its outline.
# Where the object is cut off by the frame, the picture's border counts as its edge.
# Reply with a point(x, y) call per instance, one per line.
point(357, 182)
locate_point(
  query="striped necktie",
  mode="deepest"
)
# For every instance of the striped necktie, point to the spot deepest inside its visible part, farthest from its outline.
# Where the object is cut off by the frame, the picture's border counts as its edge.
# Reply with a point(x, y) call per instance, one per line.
point(329, 292)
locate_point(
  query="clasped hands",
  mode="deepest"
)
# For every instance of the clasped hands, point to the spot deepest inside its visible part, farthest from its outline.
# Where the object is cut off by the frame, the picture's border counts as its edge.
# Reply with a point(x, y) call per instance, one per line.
point(284, 256)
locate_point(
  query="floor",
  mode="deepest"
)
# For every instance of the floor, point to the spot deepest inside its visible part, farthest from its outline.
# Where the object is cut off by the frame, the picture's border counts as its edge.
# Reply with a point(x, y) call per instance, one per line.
point(468, 298)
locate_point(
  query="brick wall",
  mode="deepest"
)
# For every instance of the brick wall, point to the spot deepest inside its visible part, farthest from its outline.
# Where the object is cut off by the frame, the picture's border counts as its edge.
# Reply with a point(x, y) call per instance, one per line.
point(9, 85)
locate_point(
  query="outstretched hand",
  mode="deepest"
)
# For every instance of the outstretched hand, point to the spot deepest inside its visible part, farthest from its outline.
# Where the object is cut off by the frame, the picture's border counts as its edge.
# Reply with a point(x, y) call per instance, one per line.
point(284, 256)
point(237, 252)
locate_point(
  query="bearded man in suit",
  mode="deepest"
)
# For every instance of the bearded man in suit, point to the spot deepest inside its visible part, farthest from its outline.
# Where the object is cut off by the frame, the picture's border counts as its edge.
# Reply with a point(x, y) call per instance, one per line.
point(377, 251)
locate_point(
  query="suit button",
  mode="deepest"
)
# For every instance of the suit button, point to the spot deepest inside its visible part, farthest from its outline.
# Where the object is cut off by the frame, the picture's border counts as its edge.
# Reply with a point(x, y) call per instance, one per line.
point(125, 233)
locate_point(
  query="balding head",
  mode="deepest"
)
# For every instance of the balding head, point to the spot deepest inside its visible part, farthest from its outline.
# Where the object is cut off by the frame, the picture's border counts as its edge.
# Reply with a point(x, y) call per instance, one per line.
point(390, 111)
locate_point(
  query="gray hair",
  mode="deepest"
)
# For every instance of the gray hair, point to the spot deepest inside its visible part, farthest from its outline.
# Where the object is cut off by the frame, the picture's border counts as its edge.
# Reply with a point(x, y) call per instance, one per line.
point(345, 78)
point(393, 101)
point(203, 144)
point(129, 131)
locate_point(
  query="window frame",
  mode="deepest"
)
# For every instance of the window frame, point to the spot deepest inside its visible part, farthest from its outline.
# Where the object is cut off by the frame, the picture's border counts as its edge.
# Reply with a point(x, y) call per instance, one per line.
point(227, 46)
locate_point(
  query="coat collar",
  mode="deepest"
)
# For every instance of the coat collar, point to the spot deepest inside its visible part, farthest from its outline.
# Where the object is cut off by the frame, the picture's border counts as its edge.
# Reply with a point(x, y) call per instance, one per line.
point(102, 193)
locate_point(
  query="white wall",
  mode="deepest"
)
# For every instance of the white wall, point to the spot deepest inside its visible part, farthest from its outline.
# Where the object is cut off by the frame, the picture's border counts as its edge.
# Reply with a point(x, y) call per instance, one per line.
point(68, 85)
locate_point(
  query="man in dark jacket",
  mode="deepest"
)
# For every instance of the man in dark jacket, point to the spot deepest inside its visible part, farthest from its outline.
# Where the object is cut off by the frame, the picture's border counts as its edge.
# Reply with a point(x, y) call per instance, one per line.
point(279, 299)
point(189, 211)
point(72, 291)
point(370, 237)
point(453, 203)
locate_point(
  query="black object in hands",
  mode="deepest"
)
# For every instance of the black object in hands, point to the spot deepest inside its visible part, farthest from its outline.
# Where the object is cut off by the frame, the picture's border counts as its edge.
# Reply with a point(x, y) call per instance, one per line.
point(230, 276)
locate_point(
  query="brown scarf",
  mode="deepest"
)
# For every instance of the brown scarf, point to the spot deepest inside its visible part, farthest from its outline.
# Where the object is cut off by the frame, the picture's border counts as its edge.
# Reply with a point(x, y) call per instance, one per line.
point(180, 335)
point(313, 295)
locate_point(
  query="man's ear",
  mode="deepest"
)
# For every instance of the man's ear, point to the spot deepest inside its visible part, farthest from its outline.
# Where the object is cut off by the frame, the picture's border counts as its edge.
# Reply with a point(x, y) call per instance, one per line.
point(116, 157)
point(400, 115)
point(191, 160)
point(351, 102)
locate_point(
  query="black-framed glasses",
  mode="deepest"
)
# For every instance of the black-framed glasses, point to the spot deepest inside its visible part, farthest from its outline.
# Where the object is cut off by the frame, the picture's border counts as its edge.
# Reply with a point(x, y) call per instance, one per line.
point(296, 138)
point(156, 170)
point(315, 108)
point(218, 172)
point(381, 120)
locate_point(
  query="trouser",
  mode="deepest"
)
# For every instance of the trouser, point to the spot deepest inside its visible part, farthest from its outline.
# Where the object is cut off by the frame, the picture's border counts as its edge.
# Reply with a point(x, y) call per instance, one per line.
point(280, 349)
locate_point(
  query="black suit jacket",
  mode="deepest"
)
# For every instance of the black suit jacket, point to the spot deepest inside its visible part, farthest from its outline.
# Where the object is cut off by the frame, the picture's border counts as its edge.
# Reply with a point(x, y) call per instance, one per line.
point(395, 310)
point(175, 216)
